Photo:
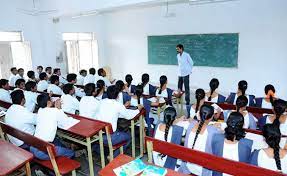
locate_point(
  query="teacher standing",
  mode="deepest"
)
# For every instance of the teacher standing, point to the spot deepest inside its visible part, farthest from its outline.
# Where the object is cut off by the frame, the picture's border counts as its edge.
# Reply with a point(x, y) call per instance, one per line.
point(185, 64)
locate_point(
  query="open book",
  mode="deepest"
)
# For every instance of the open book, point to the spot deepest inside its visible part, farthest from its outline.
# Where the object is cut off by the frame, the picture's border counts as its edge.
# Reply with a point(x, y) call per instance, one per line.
point(69, 122)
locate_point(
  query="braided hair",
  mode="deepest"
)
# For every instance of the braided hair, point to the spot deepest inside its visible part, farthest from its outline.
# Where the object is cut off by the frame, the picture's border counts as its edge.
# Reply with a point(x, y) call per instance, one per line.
point(270, 88)
point(145, 79)
point(100, 86)
point(279, 108)
point(169, 117)
point(272, 137)
point(199, 95)
point(241, 102)
point(163, 81)
point(213, 84)
point(234, 129)
point(129, 80)
point(206, 113)
point(139, 92)
point(120, 85)
point(242, 85)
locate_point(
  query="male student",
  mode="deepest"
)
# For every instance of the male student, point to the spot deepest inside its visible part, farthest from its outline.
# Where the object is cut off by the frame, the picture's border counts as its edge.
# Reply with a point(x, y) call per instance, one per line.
point(43, 83)
point(81, 77)
point(48, 70)
point(102, 76)
point(54, 86)
point(4, 91)
point(31, 76)
point(72, 79)
point(49, 118)
point(19, 117)
point(13, 76)
point(110, 110)
point(20, 84)
point(39, 71)
point(20, 74)
point(91, 77)
point(31, 95)
point(57, 71)
point(70, 103)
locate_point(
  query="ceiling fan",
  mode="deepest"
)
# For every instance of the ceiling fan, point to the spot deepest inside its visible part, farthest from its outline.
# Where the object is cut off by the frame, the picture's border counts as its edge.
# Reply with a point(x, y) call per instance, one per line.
point(35, 11)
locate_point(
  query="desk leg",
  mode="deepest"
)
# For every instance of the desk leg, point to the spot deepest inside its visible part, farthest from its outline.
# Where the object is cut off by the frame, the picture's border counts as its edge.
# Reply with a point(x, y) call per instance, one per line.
point(133, 138)
point(141, 135)
point(102, 149)
point(90, 156)
point(28, 169)
point(181, 105)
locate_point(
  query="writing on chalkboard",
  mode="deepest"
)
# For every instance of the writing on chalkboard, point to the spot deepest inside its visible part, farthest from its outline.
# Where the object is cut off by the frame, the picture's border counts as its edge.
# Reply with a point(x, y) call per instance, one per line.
point(213, 50)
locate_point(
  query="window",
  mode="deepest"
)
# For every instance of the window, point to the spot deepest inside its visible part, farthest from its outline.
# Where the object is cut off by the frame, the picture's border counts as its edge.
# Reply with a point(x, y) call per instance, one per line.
point(14, 52)
point(82, 51)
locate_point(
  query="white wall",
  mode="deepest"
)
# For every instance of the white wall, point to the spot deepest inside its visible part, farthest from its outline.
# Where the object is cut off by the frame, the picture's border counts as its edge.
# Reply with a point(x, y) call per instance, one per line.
point(11, 20)
point(262, 49)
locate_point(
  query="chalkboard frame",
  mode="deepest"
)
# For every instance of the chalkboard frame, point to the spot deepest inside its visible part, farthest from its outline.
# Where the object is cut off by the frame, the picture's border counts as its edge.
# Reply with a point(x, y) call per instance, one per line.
point(223, 67)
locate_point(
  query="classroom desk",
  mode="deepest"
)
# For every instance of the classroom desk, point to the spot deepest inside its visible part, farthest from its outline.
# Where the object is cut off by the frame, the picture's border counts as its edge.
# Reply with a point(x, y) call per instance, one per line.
point(86, 132)
point(138, 119)
point(123, 159)
point(13, 158)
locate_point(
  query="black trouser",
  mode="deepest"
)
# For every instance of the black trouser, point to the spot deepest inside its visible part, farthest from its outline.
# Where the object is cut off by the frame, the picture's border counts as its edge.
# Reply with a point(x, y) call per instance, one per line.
point(184, 80)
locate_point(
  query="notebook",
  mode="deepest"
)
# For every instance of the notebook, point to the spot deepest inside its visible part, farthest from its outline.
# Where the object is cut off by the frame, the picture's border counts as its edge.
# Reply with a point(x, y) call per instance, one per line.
point(130, 169)
point(154, 171)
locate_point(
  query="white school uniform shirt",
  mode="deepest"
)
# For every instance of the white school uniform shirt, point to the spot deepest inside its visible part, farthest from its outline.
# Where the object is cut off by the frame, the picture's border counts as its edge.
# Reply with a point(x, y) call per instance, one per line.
point(120, 98)
point(5, 95)
point(12, 80)
point(110, 110)
point(89, 106)
point(80, 80)
point(146, 89)
point(283, 126)
point(200, 146)
point(269, 163)
point(89, 79)
point(230, 151)
point(266, 104)
point(185, 64)
point(62, 80)
point(48, 121)
point(31, 100)
point(134, 101)
point(42, 85)
point(213, 100)
point(55, 89)
point(105, 79)
point(163, 94)
point(70, 103)
point(79, 92)
point(20, 118)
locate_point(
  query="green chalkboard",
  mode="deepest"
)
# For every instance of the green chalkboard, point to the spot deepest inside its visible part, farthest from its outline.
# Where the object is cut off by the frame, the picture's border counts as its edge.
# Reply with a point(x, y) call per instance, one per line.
point(212, 50)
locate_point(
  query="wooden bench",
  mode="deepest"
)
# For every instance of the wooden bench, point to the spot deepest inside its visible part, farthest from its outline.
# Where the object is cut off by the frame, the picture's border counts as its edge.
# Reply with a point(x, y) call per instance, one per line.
point(60, 165)
point(206, 160)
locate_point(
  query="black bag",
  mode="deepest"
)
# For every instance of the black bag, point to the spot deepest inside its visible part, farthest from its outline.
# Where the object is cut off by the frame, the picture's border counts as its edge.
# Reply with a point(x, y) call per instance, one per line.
point(123, 124)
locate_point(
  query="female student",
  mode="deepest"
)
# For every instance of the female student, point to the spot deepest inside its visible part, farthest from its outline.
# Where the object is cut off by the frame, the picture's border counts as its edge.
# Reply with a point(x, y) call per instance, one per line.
point(249, 119)
point(124, 98)
point(31, 95)
point(4, 91)
point(199, 136)
point(43, 83)
point(279, 117)
point(54, 86)
point(110, 110)
point(89, 104)
point(268, 100)
point(48, 120)
point(70, 103)
point(165, 92)
point(212, 95)
point(242, 87)
point(101, 94)
point(200, 98)
point(138, 99)
point(273, 157)
point(169, 132)
point(129, 87)
point(148, 88)
point(232, 144)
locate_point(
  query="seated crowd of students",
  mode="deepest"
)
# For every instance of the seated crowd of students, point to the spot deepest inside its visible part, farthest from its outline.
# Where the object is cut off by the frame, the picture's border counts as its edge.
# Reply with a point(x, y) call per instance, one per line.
point(95, 96)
